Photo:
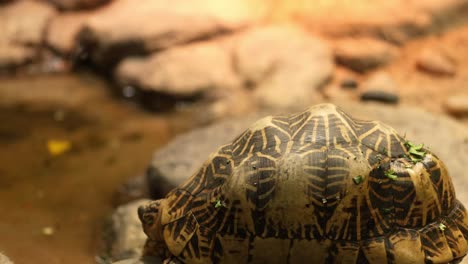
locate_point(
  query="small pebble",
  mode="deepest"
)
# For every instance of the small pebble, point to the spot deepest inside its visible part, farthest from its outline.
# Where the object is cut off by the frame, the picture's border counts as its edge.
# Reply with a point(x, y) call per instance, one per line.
point(349, 84)
point(48, 231)
point(436, 63)
point(457, 105)
point(59, 115)
point(380, 87)
point(381, 96)
point(363, 54)
point(128, 91)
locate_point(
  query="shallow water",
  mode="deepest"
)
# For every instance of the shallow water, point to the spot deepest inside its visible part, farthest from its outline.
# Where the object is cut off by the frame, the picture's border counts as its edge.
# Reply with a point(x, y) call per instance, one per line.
point(52, 208)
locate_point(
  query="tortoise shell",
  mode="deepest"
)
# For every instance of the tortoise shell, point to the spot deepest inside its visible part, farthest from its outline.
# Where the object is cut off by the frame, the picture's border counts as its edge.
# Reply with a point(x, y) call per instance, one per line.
point(317, 186)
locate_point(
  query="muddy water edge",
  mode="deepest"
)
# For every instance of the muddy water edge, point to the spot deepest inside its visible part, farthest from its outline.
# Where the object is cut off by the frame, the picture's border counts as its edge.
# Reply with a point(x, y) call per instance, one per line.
point(52, 208)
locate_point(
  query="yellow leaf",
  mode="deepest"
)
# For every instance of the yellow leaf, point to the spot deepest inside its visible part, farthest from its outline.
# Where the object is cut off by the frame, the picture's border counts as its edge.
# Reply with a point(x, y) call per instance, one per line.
point(58, 147)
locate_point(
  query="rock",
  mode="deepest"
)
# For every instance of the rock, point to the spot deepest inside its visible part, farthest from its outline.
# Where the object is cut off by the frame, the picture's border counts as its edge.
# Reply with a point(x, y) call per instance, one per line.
point(129, 237)
point(4, 259)
point(435, 62)
point(283, 64)
point(363, 54)
point(381, 96)
point(15, 55)
point(183, 156)
point(22, 24)
point(23, 21)
point(77, 4)
point(184, 71)
point(349, 83)
point(63, 30)
point(123, 28)
point(379, 87)
point(457, 105)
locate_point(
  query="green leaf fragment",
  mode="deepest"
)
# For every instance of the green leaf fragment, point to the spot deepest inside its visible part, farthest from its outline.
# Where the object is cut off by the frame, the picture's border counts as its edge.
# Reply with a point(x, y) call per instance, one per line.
point(391, 174)
point(415, 160)
point(358, 179)
point(442, 227)
point(387, 210)
point(219, 203)
point(416, 152)
point(419, 147)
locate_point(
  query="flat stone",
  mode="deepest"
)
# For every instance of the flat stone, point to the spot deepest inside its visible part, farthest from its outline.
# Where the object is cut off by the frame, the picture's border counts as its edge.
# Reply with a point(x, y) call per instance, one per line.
point(22, 24)
point(183, 71)
point(124, 28)
point(23, 21)
point(129, 237)
point(457, 105)
point(15, 55)
point(284, 65)
point(380, 96)
point(435, 62)
point(379, 87)
point(364, 54)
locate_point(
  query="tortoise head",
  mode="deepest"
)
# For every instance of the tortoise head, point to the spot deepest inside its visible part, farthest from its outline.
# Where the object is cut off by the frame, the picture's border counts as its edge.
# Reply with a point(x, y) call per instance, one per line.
point(150, 217)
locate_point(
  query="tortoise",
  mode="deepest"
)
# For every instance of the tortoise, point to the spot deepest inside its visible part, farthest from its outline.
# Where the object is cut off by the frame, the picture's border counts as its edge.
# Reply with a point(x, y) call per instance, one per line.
point(317, 186)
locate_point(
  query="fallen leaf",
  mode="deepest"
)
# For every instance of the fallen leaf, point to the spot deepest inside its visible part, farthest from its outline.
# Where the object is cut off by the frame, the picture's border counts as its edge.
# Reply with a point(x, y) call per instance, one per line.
point(58, 147)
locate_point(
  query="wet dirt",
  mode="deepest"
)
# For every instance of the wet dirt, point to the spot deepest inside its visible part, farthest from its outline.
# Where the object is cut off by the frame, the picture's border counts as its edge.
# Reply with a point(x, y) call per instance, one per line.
point(52, 208)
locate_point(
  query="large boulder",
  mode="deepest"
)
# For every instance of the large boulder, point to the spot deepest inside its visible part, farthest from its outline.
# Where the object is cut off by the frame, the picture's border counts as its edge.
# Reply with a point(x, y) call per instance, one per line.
point(284, 65)
point(22, 24)
point(183, 71)
point(123, 27)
